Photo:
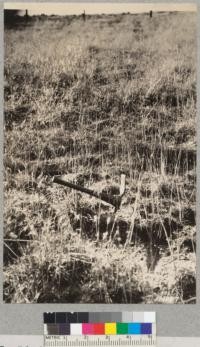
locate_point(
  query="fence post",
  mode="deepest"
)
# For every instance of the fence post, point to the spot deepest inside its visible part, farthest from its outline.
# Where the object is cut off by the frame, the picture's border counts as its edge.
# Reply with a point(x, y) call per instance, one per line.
point(84, 16)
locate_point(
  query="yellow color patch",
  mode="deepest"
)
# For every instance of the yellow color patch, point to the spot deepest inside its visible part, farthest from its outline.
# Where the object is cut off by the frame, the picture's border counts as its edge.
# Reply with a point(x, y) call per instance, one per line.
point(110, 329)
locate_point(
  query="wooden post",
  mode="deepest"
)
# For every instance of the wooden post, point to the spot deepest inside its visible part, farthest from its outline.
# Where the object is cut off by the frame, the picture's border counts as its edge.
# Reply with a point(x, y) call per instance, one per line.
point(26, 15)
point(84, 16)
point(151, 14)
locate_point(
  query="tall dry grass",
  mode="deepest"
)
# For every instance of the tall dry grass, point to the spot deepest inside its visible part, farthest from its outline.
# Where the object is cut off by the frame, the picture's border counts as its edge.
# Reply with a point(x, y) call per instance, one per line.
point(94, 99)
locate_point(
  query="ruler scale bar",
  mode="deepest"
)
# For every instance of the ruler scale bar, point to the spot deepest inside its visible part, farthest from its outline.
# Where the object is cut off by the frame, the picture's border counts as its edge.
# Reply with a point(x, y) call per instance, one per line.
point(95, 341)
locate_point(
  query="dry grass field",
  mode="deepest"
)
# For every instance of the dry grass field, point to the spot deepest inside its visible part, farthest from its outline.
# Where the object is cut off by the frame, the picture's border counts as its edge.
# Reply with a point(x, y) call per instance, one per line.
point(92, 100)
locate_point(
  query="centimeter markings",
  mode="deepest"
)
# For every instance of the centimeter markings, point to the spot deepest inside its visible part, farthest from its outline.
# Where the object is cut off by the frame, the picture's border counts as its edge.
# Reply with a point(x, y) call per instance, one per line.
point(91, 341)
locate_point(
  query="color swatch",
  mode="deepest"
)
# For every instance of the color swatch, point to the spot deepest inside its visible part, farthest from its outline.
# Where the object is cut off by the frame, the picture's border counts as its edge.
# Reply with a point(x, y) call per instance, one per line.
point(99, 323)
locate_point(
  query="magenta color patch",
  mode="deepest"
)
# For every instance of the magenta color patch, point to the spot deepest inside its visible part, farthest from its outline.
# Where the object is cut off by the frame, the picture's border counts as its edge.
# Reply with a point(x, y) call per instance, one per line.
point(87, 329)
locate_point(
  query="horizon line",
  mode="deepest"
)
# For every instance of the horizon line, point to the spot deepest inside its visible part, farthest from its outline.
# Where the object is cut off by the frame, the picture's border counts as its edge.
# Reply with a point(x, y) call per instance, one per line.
point(75, 8)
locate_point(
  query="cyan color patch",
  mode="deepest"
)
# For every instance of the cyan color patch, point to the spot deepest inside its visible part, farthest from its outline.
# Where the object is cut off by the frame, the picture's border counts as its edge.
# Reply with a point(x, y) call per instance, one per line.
point(134, 328)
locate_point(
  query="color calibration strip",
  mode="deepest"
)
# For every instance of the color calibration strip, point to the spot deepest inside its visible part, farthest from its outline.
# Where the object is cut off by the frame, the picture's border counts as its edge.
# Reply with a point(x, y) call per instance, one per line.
point(99, 323)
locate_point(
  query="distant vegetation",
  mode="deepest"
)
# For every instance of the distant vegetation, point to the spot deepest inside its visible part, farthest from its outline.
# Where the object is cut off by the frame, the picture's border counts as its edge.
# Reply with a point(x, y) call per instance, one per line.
point(114, 94)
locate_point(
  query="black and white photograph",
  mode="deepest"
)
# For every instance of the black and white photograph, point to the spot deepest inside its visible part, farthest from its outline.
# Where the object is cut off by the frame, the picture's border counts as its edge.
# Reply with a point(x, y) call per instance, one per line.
point(100, 104)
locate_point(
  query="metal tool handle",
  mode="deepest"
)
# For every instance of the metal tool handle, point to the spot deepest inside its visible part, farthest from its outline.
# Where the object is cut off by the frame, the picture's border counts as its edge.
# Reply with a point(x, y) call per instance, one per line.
point(112, 200)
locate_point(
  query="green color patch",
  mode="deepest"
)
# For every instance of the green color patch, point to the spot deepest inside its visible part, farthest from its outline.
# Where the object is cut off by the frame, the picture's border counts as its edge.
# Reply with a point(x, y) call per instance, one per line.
point(122, 328)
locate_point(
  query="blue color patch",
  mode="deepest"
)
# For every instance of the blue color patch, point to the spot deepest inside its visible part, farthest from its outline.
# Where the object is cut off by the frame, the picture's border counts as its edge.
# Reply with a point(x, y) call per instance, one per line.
point(146, 328)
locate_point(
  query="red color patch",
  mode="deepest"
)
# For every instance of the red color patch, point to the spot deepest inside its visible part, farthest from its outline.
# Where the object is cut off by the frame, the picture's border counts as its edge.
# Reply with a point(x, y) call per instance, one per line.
point(99, 329)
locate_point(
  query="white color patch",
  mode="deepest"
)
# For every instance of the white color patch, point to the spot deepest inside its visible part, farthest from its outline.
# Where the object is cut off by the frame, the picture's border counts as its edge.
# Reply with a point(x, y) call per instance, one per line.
point(45, 329)
point(149, 317)
point(76, 329)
